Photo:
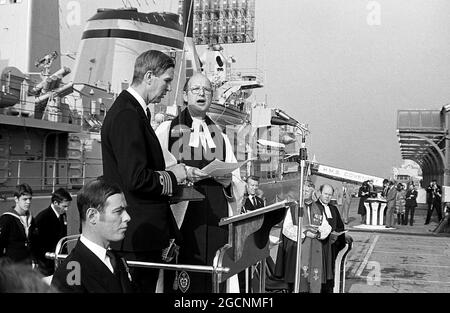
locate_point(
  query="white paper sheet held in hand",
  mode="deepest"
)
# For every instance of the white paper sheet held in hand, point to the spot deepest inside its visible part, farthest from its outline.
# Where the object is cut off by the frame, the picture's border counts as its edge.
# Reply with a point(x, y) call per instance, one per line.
point(220, 168)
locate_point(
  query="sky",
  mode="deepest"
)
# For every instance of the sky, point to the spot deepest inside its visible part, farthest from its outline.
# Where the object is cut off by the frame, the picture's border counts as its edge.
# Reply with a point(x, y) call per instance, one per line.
point(344, 67)
point(327, 66)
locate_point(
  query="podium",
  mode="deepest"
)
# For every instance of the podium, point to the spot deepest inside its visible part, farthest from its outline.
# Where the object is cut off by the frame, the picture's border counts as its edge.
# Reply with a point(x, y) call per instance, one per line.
point(248, 241)
point(375, 209)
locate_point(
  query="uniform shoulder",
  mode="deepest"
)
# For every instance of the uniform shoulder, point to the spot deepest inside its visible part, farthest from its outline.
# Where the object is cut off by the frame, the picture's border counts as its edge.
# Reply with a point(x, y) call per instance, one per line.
point(43, 214)
point(122, 102)
point(67, 277)
point(6, 217)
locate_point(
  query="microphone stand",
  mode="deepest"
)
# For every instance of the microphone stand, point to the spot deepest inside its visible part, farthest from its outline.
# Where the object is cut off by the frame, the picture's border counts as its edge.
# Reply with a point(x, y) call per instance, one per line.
point(303, 157)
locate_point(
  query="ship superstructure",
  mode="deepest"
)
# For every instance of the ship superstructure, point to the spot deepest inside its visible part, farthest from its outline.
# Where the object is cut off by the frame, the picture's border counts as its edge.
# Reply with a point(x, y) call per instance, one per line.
point(35, 122)
point(50, 128)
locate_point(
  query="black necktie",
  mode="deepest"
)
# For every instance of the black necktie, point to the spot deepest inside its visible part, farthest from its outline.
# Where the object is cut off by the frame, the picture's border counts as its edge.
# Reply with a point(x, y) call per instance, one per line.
point(149, 115)
point(254, 201)
point(113, 260)
point(62, 219)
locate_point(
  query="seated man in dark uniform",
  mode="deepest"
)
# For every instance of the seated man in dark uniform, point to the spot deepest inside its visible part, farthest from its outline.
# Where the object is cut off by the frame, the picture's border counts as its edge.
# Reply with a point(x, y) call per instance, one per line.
point(91, 267)
point(252, 201)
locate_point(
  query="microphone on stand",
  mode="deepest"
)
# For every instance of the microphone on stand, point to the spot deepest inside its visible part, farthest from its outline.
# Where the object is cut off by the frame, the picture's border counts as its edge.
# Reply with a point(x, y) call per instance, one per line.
point(275, 120)
point(283, 118)
point(282, 114)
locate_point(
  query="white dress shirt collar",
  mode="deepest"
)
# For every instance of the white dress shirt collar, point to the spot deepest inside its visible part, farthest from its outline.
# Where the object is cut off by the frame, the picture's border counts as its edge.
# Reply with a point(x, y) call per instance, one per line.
point(54, 210)
point(327, 210)
point(99, 251)
point(138, 97)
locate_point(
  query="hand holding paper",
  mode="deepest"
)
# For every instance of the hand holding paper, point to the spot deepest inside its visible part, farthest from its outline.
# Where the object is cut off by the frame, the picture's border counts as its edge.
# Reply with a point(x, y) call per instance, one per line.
point(179, 171)
point(195, 174)
point(220, 168)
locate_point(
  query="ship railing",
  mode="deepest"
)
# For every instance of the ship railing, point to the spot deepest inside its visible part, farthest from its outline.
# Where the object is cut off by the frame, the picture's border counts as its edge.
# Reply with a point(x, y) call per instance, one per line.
point(27, 109)
point(58, 256)
point(89, 122)
point(48, 174)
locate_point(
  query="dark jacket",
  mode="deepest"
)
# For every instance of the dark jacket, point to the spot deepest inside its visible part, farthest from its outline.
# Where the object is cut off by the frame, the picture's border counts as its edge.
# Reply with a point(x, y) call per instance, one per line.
point(132, 156)
point(434, 195)
point(14, 243)
point(248, 205)
point(411, 196)
point(363, 194)
point(86, 273)
point(335, 223)
point(50, 229)
point(331, 250)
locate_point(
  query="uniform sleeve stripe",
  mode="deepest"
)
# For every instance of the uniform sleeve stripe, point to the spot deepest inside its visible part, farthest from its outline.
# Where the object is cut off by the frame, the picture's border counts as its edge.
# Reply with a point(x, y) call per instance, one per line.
point(162, 182)
point(169, 184)
point(166, 183)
